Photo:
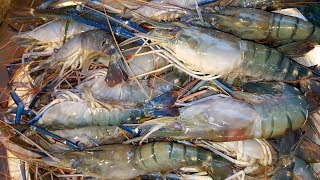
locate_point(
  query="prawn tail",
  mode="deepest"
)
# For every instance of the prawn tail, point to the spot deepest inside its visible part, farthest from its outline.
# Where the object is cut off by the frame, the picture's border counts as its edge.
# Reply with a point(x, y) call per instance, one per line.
point(296, 49)
point(311, 88)
point(117, 72)
point(309, 151)
point(163, 105)
point(216, 166)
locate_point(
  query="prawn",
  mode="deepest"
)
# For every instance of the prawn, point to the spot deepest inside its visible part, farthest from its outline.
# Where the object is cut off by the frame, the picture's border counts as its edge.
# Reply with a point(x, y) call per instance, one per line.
point(54, 31)
point(263, 4)
point(265, 113)
point(70, 111)
point(127, 161)
point(256, 155)
point(201, 52)
point(112, 6)
point(82, 49)
point(291, 35)
point(130, 91)
point(168, 10)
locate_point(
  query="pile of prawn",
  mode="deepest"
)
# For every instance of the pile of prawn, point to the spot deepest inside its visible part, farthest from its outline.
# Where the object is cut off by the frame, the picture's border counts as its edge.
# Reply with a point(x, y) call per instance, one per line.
point(165, 89)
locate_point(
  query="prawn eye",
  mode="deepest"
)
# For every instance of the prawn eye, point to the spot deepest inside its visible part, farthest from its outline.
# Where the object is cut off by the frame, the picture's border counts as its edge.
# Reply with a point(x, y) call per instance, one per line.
point(103, 43)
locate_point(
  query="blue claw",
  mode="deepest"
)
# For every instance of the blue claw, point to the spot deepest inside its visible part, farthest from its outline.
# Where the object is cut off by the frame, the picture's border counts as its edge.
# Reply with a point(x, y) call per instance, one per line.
point(26, 112)
point(20, 106)
point(119, 31)
point(35, 119)
point(86, 16)
point(131, 24)
point(39, 152)
point(136, 132)
point(203, 2)
point(20, 110)
point(197, 86)
point(223, 86)
point(56, 137)
point(101, 18)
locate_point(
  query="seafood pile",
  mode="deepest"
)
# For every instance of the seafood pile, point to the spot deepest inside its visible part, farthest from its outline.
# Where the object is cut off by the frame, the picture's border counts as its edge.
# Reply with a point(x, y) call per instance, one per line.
point(165, 89)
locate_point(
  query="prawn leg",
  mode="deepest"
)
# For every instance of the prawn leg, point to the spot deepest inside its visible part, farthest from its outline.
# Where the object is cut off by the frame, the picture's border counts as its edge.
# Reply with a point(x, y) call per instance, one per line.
point(129, 23)
point(24, 112)
point(24, 127)
point(56, 137)
point(83, 14)
point(20, 110)
point(20, 106)
point(35, 119)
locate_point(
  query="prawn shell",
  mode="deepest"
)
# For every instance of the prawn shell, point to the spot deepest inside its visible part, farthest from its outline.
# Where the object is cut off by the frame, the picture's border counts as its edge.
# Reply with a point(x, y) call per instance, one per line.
point(204, 50)
point(222, 119)
point(128, 161)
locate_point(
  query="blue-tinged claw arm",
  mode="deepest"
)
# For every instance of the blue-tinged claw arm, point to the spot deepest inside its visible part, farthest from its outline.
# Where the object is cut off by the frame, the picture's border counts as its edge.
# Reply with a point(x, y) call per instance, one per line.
point(85, 15)
point(26, 112)
point(56, 137)
point(20, 106)
point(135, 131)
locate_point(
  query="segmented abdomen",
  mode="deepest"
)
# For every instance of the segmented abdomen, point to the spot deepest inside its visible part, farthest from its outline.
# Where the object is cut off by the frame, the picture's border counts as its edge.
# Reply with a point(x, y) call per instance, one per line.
point(128, 161)
point(280, 113)
point(284, 29)
point(164, 156)
point(71, 114)
point(261, 62)
point(264, 4)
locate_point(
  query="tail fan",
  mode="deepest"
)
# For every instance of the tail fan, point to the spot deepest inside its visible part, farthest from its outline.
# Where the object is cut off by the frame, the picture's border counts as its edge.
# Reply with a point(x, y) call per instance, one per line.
point(218, 167)
point(311, 88)
point(117, 72)
point(288, 150)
